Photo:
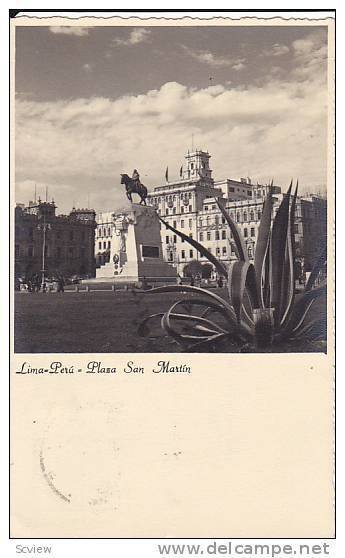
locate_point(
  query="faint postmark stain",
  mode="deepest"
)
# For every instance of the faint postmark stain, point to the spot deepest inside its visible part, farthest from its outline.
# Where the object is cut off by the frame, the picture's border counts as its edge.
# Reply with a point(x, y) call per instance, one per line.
point(49, 478)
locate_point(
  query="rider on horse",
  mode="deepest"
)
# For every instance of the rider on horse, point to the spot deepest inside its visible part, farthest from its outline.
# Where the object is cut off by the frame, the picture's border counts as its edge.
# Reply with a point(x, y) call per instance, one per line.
point(134, 186)
point(136, 177)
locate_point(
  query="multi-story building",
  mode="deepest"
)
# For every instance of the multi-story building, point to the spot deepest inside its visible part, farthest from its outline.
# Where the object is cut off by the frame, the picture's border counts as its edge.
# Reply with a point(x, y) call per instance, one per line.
point(189, 205)
point(313, 218)
point(59, 244)
point(103, 237)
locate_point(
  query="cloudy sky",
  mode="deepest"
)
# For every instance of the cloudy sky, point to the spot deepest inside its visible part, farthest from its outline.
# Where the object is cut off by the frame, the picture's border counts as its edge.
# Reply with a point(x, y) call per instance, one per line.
point(94, 102)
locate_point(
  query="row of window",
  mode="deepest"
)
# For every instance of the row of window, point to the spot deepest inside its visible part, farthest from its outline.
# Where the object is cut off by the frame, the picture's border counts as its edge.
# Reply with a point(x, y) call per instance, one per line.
point(182, 223)
point(58, 253)
point(240, 217)
point(212, 235)
point(248, 192)
point(59, 235)
point(257, 193)
point(217, 235)
point(219, 252)
point(104, 231)
point(174, 237)
point(171, 198)
point(173, 211)
point(104, 245)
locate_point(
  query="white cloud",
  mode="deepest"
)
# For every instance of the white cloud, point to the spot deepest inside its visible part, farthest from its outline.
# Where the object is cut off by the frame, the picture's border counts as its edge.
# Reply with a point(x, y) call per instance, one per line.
point(276, 50)
point(87, 67)
point(278, 129)
point(67, 30)
point(310, 56)
point(214, 60)
point(238, 66)
point(138, 35)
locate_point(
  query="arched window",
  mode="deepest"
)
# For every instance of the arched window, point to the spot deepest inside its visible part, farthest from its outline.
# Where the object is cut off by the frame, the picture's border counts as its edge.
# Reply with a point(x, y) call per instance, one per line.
point(238, 217)
point(252, 215)
point(259, 214)
point(244, 216)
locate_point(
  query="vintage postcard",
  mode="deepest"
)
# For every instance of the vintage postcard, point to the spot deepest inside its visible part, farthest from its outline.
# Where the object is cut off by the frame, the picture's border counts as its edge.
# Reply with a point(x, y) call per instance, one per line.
point(172, 211)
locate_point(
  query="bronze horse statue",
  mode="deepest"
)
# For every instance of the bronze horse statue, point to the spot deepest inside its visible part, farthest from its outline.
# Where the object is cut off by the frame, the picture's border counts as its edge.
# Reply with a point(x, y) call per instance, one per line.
point(132, 187)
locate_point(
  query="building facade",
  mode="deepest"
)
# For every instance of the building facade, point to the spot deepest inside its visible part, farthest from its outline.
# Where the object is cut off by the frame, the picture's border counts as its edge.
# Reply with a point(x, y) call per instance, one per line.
point(189, 205)
point(58, 244)
point(201, 218)
point(103, 237)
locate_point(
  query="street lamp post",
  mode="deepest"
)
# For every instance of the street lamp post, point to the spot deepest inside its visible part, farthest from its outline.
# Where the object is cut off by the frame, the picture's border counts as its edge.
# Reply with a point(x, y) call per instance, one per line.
point(43, 227)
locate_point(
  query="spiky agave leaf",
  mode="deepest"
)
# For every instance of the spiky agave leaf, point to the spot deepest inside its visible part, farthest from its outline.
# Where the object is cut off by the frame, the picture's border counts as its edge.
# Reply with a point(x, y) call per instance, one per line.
point(314, 330)
point(199, 247)
point(241, 330)
point(263, 324)
point(143, 329)
point(211, 307)
point(262, 246)
point(199, 328)
point(189, 289)
point(228, 327)
point(316, 269)
point(288, 277)
point(182, 338)
point(241, 249)
point(277, 254)
point(242, 276)
point(193, 348)
point(204, 325)
point(300, 311)
point(292, 220)
point(247, 306)
point(200, 320)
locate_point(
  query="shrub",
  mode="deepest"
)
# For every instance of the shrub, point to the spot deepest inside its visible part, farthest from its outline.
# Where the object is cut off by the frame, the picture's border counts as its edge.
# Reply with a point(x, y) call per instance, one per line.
point(262, 309)
point(192, 268)
point(206, 271)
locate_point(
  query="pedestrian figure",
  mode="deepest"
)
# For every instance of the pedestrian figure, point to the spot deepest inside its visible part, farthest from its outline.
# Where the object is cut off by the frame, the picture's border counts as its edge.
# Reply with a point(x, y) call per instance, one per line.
point(61, 285)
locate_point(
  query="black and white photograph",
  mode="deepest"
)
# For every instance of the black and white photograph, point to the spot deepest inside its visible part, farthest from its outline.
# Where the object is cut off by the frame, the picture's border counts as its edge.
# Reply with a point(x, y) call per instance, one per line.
point(171, 188)
point(172, 281)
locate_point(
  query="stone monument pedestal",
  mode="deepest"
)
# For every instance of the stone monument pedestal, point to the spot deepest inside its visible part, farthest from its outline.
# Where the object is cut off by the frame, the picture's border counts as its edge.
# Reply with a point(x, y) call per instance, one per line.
point(136, 248)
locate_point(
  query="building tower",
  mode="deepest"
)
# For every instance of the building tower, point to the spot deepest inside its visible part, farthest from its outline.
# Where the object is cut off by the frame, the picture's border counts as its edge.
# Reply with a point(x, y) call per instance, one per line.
point(198, 167)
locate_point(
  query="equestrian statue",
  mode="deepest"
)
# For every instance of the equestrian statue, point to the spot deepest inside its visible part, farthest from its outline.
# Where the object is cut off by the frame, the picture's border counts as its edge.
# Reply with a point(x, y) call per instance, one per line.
point(134, 186)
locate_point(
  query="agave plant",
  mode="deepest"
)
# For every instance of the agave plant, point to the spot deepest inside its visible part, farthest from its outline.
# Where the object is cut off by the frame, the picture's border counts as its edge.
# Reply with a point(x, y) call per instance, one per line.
point(262, 309)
